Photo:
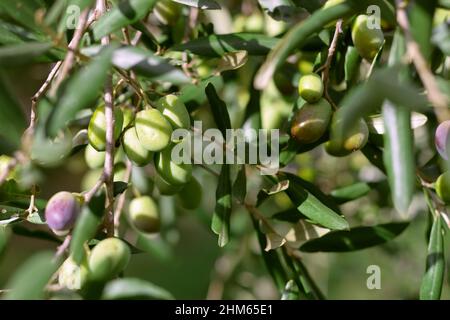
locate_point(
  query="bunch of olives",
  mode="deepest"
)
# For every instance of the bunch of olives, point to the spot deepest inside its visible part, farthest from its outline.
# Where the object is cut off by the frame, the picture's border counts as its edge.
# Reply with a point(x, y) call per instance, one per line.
point(106, 261)
point(312, 119)
point(442, 140)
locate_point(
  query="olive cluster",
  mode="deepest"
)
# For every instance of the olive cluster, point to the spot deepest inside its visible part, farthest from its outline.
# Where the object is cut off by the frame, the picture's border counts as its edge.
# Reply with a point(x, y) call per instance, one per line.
point(314, 117)
point(442, 140)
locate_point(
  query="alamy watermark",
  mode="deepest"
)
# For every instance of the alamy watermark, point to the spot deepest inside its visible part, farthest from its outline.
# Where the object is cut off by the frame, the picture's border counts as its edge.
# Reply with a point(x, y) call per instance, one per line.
point(238, 146)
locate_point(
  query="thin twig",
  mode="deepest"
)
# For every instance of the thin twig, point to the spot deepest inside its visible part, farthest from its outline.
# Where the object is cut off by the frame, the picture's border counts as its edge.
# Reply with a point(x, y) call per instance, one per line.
point(72, 49)
point(121, 200)
point(91, 193)
point(108, 170)
point(63, 247)
point(435, 96)
point(327, 65)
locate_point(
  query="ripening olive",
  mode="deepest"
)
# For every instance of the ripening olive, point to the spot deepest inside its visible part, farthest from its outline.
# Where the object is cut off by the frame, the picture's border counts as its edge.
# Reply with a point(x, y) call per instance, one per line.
point(167, 11)
point(61, 212)
point(144, 215)
point(94, 159)
point(171, 172)
point(311, 121)
point(191, 195)
point(367, 41)
point(153, 129)
point(443, 187)
point(165, 188)
point(134, 150)
point(108, 258)
point(97, 127)
point(442, 139)
point(175, 111)
point(355, 139)
point(71, 275)
point(310, 87)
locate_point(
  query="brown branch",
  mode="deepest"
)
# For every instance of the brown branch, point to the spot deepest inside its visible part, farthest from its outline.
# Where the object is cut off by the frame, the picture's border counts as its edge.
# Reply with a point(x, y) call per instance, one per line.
point(63, 247)
point(327, 65)
point(108, 170)
point(435, 96)
point(72, 49)
point(91, 193)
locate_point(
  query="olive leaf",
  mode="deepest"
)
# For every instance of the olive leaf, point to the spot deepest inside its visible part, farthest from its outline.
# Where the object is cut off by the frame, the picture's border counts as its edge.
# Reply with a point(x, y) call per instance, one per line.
point(29, 281)
point(131, 288)
point(218, 109)
point(22, 53)
point(220, 224)
point(351, 192)
point(356, 238)
point(232, 61)
point(433, 279)
point(125, 13)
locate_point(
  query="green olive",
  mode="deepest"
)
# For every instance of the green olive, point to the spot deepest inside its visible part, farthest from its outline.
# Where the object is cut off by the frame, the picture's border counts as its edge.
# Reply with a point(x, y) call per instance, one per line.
point(144, 215)
point(175, 174)
point(367, 41)
point(310, 87)
point(311, 121)
point(134, 150)
point(94, 159)
point(355, 139)
point(175, 111)
point(97, 127)
point(165, 188)
point(71, 275)
point(443, 187)
point(128, 117)
point(108, 258)
point(331, 3)
point(153, 129)
point(167, 11)
point(191, 195)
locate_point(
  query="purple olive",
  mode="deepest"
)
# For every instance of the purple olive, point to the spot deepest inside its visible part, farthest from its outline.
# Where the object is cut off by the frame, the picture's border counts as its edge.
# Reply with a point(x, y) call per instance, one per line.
point(442, 139)
point(61, 212)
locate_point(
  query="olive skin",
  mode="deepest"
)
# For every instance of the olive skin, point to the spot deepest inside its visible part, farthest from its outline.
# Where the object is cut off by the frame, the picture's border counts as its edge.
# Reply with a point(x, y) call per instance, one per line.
point(61, 212)
point(94, 159)
point(367, 41)
point(71, 275)
point(175, 111)
point(108, 258)
point(128, 117)
point(443, 187)
point(442, 139)
point(97, 128)
point(144, 215)
point(172, 173)
point(191, 195)
point(310, 88)
point(134, 150)
point(165, 188)
point(356, 139)
point(153, 130)
point(311, 121)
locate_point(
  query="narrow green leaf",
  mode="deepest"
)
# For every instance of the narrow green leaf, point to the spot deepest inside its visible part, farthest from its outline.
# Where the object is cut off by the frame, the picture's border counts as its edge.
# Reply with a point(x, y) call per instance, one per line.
point(351, 192)
point(126, 12)
point(310, 206)
point(421, 14)
point(11, 116)
point(355, 239)
point(77, 95)
point(4, 235)
point(22, 53)
point(135, 289)
point(441, 38)
point(352, 62)
point(201, 4)
point(220, 224)
point(290, 291)
point(279, 9)
point(36, 234)
point(240, 185)
point(119, 187)
point(218, 109)
point(433, 279)
point(22, 11)
point(29, 281)
point(86, 226)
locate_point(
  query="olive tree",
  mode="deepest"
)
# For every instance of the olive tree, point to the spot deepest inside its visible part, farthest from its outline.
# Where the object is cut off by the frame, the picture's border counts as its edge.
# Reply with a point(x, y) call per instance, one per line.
point(132, 84)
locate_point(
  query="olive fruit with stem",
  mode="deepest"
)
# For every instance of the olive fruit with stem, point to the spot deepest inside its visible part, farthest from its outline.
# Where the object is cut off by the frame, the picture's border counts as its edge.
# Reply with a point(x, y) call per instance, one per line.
point(310, 87)
point(144, 215)
point(61, 212)
point(97, 127)
point(153, 130)
point(134, 149)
